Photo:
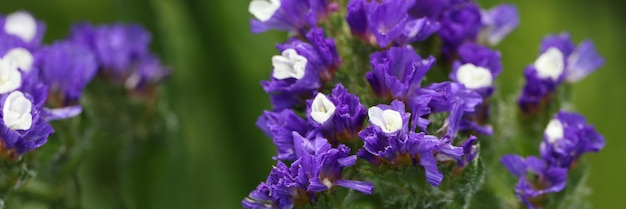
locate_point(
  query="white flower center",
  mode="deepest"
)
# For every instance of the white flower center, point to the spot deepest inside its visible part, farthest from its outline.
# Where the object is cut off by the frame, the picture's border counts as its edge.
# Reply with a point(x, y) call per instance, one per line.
point(474, 77)
point(16, 112)
point(322, 108)
point(550, 64)
point(22, 25)
point(389, 121)
point(289, 65)
point(21, 57)
point(263, 10)
point(554, 131)
point(10, 77)
point(327, 183)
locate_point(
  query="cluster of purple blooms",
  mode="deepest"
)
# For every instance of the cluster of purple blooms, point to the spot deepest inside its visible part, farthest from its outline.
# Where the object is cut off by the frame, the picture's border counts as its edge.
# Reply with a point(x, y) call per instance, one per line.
point(317, 145)
point(566, 137)
point(40, 83)
point(559, 60)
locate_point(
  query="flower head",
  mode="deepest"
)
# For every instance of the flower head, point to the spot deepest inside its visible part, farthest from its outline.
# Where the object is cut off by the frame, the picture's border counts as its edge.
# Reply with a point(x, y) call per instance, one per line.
point(288, 15)
point(477, 68)
point(338, 116)
point(459, 24)
point(23, 25)
point(397, 72)
point(22, 128)
point(499, 21)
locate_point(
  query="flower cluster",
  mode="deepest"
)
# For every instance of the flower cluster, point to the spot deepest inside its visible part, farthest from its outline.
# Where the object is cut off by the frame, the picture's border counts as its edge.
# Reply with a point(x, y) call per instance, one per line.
point(566, 137)
point(559, 60)
point(40, 83)
point(417, 118)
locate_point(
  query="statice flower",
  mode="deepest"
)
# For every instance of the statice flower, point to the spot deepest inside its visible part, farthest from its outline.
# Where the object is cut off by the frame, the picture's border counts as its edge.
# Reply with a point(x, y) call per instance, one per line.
point(284, 186)
point(499, 21)
point(66, 67)
point(300, 68)
point(567, 137)
point(558, 60)
point(477, 68)
point(280, 127)
point(22, 127)
point(536, 177)
point(397, 72)
point(288, 15)
point(459, 24)
point(122, 52)
point(338, 116)
point(23, 26)
point(388, 22)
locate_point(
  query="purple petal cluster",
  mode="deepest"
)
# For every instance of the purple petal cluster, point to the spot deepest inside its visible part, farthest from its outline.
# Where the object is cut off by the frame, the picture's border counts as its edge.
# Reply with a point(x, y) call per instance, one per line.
point(21, 26)
point(566, 138)
point(388, 140)
point(397, 72)
point(280, 126)
point(20, 130)
point(288, 15)
point(388, 22)
point(319, 168)
point(477, 68)
point(559, 60)
point(339, 120)
point(460, 23)
point(122, 52)
point(301, 69)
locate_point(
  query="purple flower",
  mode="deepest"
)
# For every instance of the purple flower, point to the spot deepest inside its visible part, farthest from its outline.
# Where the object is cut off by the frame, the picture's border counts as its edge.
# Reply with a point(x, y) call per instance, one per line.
point(477, 68)
point(288, 15)
point(567, 137)
point(149, 71)
point(338, 116)
point(279, 126)
point(499, 21)
point(432, 9)
point(283, 187)
point(388, 21)
point(24, 26)
point(22, 128)
point(66, 67)
point(397, 72)
point(449, 97)
point(298, 69)
point(543, 178)
point(556, 62)
point(118, 47)
point(459, 24)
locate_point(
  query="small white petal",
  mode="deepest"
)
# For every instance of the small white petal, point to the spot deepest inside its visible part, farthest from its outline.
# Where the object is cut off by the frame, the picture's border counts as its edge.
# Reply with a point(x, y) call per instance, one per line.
point(22, 58)
point(10, 76)
point(474, 77)
point(550, 64)
point(322, 108)
point(554, 131)
point(16, 111)
point(390, 121)
point(22, 25)
point(289, 65)
point(263, 10)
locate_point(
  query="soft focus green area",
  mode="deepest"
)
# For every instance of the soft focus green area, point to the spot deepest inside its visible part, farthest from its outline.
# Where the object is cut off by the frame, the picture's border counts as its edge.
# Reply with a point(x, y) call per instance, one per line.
point(219, 155)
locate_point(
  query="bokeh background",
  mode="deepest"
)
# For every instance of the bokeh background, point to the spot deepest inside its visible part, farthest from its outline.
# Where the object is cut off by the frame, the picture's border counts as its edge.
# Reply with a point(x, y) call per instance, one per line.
point(218, 155)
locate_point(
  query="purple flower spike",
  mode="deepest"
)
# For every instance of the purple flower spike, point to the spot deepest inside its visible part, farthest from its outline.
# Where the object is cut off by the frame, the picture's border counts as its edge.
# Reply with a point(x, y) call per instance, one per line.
point(67, 68)
point(567, 137)
point(545, 178)
point(397, 72)
point(287, 15)
point(458, 25)
point(499, 22)
point(21, 127)
point(477, 68)
point(280, 127)
point(24, 26)
point(583, 61)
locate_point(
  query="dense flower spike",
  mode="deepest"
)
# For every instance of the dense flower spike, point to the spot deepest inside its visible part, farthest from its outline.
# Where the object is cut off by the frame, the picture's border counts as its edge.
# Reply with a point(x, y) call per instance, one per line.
point(559, 59)
point(288, 15)
point(300, 68)
point(397, 72)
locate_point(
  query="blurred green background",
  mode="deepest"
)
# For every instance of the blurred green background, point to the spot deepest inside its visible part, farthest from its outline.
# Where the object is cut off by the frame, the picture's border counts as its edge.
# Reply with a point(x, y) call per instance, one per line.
point(218, 155)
